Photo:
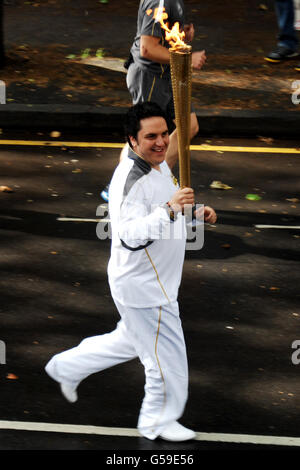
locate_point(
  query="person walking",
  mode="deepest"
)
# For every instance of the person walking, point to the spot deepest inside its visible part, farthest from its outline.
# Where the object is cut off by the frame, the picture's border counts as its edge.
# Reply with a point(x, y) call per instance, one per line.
point(288, 42)
point(149, 76)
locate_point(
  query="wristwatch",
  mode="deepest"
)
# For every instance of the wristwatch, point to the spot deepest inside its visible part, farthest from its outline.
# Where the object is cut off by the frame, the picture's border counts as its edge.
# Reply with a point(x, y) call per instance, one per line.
point(171, 213)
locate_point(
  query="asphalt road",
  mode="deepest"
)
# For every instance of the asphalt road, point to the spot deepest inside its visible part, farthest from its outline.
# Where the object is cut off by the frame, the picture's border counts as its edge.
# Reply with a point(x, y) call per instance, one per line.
point(239, 296)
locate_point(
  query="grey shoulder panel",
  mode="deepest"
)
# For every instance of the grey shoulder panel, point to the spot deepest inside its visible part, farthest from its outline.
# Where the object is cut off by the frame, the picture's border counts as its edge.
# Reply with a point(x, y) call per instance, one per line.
point(139, 168)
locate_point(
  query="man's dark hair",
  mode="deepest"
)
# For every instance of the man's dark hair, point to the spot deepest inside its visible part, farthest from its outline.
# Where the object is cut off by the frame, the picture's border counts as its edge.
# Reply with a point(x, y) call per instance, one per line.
point(140, 111)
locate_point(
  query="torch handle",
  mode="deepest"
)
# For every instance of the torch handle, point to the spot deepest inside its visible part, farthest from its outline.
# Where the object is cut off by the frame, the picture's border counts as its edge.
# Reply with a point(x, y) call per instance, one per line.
point(181, 76)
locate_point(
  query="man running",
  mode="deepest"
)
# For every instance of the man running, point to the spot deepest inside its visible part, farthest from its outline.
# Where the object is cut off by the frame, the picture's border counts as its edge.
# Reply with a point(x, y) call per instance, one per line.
point(145, 268)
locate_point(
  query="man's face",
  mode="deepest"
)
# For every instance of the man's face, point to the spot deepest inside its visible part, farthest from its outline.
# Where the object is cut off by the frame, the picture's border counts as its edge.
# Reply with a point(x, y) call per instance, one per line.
point(152, 140)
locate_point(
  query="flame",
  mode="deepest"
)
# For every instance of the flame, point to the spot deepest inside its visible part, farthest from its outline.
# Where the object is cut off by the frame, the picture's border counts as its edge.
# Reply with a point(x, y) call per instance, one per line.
point(174, 36)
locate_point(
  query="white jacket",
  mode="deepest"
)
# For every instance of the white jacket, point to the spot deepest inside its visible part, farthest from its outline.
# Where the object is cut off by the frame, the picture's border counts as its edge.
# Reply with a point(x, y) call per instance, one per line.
point(147, 249)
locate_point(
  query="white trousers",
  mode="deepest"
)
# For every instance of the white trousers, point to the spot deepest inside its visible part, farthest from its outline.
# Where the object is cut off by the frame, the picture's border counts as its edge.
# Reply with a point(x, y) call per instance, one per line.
point(155, 336)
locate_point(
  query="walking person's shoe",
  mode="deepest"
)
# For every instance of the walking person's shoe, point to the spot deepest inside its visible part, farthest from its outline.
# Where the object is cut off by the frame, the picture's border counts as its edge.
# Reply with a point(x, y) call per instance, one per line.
point(281, 54)
point(104, 193)
point(175, 432)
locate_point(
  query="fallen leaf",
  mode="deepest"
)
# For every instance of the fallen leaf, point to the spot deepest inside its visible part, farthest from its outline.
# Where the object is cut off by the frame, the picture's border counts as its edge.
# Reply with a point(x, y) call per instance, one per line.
point(6, 189)
point(55, 134)
point(293, 199)
point(263, 7)
point(274, 288)
point(100, 53)
point(11, 376)
point(253, 197)
point(226, 246)
point(85, 53)
point(219, 185)
point(267, 140)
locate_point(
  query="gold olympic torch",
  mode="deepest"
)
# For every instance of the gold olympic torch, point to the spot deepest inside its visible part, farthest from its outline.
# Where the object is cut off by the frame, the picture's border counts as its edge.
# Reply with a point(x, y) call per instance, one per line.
point(181, 76)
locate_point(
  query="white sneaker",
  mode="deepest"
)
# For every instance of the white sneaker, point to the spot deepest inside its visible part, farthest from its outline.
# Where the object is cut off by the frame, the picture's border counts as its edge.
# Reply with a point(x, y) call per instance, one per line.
point(176, 432)
point(69, 393)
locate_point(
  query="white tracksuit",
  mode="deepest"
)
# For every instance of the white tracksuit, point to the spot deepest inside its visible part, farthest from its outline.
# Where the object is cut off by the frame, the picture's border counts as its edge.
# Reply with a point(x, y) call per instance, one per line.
point(144, 271)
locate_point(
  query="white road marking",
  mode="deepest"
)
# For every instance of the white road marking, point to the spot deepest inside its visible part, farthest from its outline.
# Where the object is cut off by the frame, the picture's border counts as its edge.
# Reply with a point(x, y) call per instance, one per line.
point(75, 219)
point(293, 227)
point(10, 217)
point(68, 428)
point(129, 432)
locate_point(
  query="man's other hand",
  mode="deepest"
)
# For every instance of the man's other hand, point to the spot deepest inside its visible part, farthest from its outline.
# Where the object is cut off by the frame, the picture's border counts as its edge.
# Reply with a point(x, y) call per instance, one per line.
point(198, 59)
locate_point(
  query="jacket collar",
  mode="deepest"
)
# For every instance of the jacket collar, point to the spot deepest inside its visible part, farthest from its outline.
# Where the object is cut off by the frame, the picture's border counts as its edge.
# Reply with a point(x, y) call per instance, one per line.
point(141, 163)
